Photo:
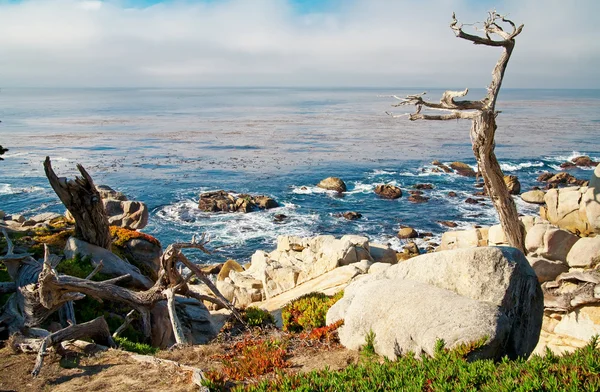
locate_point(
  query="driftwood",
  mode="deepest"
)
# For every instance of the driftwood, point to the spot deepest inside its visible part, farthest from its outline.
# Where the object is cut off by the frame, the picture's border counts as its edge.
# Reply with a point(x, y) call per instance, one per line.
point(483, 118)
point(96, 329)
point(82, 199)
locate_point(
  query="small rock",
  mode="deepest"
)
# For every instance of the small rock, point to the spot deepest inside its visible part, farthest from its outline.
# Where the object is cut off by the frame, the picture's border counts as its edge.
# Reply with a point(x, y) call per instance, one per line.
point(18, 218)
point(352, 215)
point(423, 186)
point(513, 184)
point(407, 232)
point(45, 217)
point(333, 184)
point(447, 223)
point(535, 197)
point(388, 191)
point(279, 217)
point(107, 192)
point(28, 223)
point(418, 199)
point(452, 194)
point(415, 192)
point(412, 249)
point(470, 200)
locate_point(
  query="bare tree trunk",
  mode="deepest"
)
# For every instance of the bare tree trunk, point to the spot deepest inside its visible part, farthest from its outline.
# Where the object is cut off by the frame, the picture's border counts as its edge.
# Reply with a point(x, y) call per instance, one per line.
point(82, 199)
point(483, 116)
point(482, 137)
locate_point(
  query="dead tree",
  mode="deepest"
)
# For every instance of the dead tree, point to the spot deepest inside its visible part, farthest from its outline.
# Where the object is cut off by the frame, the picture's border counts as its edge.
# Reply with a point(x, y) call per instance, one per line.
point(82, 199)
point(483, 118)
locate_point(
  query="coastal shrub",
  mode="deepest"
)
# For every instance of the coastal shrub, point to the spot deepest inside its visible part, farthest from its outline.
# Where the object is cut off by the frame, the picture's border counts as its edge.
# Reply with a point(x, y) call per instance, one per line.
point(326, 333)
point(249, 358)
point(80, 267)
point(56, 242)
point(134, 347)
point(120, 236)
point(448, 370)
point(256, 317)
point(308, 312)
point(369, 348)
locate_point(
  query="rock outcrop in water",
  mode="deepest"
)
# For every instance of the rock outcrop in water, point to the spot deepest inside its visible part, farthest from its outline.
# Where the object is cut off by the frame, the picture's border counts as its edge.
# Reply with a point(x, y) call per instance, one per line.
point(222, 201)
point(333, 184)
point(387, 191)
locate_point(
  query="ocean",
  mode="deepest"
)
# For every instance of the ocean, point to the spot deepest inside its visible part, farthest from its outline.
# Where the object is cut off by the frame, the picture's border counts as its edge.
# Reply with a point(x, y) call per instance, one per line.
point(166, 146)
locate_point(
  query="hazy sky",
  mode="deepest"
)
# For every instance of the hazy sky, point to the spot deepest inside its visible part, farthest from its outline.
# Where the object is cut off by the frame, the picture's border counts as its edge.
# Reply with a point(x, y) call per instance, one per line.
point(394, 43)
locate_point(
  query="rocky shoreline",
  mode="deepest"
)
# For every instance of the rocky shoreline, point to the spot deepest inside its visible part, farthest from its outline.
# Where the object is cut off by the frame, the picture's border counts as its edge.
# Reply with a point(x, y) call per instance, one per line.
point(440, 291)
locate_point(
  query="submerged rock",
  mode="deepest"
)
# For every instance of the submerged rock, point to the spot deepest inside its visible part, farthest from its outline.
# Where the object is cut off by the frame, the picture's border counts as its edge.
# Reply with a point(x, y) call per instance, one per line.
point(222, 201)
point(584, 161)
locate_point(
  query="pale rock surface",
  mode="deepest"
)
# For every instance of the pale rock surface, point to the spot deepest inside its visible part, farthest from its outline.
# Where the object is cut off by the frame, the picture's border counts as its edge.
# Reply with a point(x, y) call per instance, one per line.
point(547, 269)
point(112, 264)
point(581, 324)
point(382, 253)
point(464, 238)
point(498, 279)
point(550, 242)
point(568, 208)
point(585, 253)
point(534, 197)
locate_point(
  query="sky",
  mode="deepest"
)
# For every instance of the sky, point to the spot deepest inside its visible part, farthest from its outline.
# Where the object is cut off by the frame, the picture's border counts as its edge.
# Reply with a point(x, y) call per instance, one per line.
point(312, 43)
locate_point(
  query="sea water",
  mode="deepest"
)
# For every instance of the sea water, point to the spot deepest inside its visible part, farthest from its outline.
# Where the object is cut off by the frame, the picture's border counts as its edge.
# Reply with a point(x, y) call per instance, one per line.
point(166, 146)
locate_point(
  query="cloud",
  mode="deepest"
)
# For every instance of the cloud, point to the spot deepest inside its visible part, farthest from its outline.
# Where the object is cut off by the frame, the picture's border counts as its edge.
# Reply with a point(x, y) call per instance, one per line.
point(267, 42)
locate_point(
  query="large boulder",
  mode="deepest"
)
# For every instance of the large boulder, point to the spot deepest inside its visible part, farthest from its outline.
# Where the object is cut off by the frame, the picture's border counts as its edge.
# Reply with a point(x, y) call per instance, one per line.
point(333, 184)
point(387, 191)
point(382, 253)
point(585, 253)
point(459, 296)
point(113, 265)
point(576, 209)
point(550, 242)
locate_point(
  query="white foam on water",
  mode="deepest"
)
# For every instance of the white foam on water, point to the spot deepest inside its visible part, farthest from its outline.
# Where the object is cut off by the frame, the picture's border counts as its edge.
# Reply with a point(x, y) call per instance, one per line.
point(308, 190)
point(7, 189)
point(378, 172)
point(238, 228)
point(510, 167)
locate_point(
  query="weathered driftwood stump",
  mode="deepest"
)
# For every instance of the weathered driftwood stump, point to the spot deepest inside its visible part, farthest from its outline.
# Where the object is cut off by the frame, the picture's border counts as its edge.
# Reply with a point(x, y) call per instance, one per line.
point(82, 199)
point(483, 119)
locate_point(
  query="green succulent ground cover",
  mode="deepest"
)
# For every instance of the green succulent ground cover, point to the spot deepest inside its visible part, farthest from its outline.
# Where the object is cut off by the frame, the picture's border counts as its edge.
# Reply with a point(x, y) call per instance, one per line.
point(448, 370)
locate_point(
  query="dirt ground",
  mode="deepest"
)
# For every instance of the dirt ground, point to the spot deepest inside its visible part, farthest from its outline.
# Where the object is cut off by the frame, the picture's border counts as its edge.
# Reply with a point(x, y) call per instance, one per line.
point(115, 370)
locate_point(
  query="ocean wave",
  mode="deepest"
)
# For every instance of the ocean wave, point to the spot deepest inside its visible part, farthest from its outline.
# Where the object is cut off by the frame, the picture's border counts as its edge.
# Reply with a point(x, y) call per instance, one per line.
point(380, 172)
point(510, 167)
point(568, 158)
point(7, 189)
